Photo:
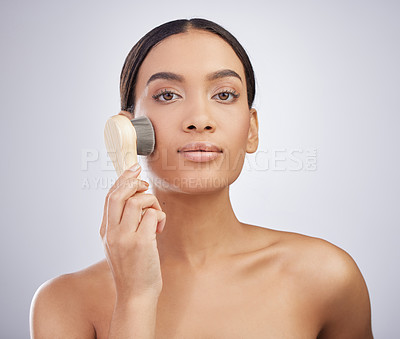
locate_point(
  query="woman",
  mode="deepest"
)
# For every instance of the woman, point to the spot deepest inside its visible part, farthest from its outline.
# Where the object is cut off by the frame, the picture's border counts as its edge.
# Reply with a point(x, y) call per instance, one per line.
point(178, 262)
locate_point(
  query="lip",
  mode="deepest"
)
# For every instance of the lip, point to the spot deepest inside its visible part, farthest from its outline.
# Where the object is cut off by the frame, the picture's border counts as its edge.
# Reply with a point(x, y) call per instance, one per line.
point(200, 151)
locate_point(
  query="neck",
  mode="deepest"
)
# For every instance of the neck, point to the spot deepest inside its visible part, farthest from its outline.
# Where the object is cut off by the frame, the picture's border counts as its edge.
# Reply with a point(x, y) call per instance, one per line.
point(199, 228)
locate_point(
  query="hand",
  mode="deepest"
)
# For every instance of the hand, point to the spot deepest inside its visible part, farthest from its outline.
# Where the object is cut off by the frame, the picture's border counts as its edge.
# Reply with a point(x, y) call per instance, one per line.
point(131, 220)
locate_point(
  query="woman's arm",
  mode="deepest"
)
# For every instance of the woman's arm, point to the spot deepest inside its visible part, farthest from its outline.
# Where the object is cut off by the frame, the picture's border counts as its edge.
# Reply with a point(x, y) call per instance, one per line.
point(130, 222)
point(135, 318)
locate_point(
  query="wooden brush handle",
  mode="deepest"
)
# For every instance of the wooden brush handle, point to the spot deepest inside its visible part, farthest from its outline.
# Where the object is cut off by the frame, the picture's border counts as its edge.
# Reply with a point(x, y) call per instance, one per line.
point(120, 139)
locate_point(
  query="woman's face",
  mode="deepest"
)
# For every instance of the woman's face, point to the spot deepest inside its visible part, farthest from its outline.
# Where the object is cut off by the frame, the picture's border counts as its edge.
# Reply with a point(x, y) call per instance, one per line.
point(192, 87)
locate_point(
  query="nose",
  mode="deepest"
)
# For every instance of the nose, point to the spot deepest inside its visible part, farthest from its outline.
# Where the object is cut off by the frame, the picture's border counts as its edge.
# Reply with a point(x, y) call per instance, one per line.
point(200, 122)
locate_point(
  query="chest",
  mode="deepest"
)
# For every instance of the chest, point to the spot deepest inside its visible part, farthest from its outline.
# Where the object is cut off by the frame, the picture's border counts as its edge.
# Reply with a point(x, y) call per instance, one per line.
point(218, 305)
point(233, 310)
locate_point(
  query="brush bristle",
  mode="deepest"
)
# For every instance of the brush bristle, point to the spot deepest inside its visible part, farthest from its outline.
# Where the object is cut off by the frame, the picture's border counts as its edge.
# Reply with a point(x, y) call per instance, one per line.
point(145, 135)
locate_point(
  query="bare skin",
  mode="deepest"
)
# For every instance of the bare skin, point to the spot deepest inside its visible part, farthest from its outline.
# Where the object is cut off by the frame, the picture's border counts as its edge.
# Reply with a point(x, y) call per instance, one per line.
point(283, 285)
point(188, 268)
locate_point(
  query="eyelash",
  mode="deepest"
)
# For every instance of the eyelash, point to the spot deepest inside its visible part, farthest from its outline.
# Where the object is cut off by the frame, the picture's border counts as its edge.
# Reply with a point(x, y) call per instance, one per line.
point(235, 95)
point(157, 96)
point(230, 91)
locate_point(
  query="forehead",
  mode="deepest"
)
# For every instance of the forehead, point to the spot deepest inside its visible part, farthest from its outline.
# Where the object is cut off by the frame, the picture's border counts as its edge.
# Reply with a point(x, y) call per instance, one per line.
point(192, 53)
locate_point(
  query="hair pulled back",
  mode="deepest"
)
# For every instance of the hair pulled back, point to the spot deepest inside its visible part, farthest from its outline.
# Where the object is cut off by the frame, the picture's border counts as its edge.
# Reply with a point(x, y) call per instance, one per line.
point(140, 50)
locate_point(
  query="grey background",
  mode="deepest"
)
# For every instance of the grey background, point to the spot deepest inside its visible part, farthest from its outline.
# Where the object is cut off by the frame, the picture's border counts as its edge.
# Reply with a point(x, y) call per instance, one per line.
point(327, 80)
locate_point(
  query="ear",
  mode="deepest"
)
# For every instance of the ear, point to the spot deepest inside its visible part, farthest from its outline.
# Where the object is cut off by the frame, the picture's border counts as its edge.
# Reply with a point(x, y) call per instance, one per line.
point(252, 138)
point(129, 115)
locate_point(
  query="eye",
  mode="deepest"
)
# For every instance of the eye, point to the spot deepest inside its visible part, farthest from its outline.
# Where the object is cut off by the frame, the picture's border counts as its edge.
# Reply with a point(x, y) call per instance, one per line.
point(165, 96)
point(227, 96)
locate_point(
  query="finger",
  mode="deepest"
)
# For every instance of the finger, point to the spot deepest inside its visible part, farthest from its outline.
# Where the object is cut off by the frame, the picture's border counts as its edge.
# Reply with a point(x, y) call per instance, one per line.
point(117, 199)
point(115, 202)
point(134, 207)
point(133, 172)
point(129, 173)
point(161, 218)
point(151, 218)
point(161, 222)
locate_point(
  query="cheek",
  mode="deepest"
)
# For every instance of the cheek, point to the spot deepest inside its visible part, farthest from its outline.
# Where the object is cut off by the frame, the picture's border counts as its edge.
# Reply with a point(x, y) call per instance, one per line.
point(163, 127)
point(238, 130)
point(165, 132)
point(238, 134)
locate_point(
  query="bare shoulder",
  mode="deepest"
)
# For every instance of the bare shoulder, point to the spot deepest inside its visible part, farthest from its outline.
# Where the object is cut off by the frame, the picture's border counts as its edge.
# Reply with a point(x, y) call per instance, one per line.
point(328, 278)
point(321, 263)
point(316, 256)
point(62, 307)
point(308, 256)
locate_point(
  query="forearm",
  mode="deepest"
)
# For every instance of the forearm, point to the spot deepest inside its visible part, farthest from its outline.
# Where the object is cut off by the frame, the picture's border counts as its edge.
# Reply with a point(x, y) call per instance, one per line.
point(135, 318)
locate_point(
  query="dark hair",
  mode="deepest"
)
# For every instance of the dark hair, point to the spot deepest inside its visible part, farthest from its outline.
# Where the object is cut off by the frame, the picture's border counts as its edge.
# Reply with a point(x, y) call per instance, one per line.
point(139, 52)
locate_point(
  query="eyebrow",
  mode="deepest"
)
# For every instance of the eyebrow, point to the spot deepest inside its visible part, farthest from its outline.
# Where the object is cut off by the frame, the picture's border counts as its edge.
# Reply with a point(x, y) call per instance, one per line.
point(166, 76)
point(223, 74)
point(210, 77)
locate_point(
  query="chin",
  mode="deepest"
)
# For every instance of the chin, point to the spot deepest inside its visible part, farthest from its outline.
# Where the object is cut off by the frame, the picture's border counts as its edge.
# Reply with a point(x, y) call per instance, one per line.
point(192, 184)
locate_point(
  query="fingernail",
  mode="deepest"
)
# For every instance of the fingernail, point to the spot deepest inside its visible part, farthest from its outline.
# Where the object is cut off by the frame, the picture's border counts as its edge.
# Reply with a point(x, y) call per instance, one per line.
point(135, 167)
point(145, 183)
